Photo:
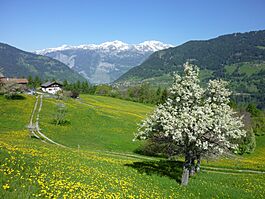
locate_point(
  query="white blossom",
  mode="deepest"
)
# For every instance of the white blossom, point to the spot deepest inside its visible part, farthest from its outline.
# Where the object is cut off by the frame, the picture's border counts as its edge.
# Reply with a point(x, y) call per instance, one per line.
point(199, 117)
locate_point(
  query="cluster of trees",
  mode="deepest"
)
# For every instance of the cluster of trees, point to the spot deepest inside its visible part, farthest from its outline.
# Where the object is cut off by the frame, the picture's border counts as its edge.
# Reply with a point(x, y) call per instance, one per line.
point(34, 82)
point(142, 93)
point(248, 83)
point(145, 94)
point(80, 87)
point(257, 119)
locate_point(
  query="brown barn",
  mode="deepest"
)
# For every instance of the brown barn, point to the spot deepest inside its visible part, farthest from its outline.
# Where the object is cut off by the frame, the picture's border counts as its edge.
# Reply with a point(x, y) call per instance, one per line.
point(21, 81)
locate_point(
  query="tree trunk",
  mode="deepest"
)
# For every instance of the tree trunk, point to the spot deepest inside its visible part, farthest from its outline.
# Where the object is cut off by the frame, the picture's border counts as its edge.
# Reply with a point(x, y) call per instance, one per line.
point(185, 176)
point(198, 165)
point(186, 170)
point(192, 167)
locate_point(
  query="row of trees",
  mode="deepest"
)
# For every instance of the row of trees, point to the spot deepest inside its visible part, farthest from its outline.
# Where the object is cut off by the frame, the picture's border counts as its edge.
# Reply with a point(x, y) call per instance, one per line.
point(34, 82)
point(142, 93)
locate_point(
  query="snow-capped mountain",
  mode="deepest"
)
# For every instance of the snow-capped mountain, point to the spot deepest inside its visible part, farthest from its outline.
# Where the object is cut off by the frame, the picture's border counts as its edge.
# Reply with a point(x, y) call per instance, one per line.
point(105, 62)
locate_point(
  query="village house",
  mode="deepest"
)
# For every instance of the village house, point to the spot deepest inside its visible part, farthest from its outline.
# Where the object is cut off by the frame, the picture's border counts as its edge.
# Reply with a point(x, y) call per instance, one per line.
point(51, 87)
point(8, 80)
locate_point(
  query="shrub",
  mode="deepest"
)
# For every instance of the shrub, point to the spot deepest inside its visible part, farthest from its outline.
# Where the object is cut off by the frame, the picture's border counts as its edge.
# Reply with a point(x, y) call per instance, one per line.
point(248, 143)
point(13, 96)
point(72, 94)
point(12, 91)
point(60, 113)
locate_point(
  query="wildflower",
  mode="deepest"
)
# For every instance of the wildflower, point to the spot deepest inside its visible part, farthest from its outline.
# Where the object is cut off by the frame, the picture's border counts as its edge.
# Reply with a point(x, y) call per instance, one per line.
point(6, 186)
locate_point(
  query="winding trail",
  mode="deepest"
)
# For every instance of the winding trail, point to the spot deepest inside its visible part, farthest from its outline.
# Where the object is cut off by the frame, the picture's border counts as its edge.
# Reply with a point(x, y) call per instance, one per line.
point(31, 127)
point(35, 129)
point(230, 170)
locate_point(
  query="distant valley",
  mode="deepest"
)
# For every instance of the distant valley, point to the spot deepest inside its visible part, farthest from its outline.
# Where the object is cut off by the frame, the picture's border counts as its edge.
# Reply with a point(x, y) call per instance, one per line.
point(106, 62)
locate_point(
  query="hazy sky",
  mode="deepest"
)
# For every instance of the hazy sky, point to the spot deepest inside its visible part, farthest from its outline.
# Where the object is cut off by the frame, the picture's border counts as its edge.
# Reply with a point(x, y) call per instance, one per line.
point(38, 24)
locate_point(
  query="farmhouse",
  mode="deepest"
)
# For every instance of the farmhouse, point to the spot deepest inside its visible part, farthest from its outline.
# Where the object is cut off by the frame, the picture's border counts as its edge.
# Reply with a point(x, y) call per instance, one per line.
point(51, 87)
point(8, 80)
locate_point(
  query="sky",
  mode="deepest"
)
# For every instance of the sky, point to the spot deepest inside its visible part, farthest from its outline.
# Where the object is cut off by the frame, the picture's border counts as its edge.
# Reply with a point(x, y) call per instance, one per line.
point(39, 24)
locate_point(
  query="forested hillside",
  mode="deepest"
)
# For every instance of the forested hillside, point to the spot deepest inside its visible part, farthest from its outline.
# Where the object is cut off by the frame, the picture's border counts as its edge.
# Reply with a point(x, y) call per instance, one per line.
point(213, 54)
point(238, 58)
point(18, 63)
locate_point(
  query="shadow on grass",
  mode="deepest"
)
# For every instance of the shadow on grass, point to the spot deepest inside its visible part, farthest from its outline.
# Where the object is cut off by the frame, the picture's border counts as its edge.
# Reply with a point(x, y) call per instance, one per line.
point(63, 123)
point(171, 169)
point(14, 97)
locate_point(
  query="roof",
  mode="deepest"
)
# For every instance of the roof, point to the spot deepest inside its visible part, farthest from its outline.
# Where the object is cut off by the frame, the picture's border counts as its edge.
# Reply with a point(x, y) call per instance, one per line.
point(48, 84)
point(21, 81)
point(14, 80)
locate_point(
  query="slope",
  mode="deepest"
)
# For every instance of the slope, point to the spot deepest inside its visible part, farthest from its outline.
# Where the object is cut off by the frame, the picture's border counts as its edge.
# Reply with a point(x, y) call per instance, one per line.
point(30, 168)
point(213, 55)
point(18, 63)
point(238, 58)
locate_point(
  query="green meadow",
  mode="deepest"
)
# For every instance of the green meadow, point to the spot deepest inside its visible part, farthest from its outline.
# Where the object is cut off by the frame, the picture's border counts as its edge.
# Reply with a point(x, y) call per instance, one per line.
point(96, 123)
point(104, 165)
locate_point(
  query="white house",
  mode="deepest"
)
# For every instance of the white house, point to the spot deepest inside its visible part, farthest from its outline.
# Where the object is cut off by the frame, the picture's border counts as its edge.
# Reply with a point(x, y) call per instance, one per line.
point(51, 87)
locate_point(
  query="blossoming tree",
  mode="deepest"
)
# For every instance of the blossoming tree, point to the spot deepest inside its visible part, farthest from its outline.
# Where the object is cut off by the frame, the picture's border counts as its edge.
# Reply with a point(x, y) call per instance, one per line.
point(197, 120)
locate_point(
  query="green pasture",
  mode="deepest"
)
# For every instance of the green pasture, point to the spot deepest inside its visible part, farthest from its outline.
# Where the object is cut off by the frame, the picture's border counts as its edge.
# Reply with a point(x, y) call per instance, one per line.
point(103, 127)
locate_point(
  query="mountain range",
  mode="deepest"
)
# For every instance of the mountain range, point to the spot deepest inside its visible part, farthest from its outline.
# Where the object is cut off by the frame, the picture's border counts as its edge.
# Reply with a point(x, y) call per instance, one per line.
point(18, 63)
point(106, 62)
point(238, 58)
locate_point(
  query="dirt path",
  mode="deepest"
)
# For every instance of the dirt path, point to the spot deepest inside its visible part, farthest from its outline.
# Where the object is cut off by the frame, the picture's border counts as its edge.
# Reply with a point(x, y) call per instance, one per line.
point(34, 128)
point(230, 170)
point(31, 126)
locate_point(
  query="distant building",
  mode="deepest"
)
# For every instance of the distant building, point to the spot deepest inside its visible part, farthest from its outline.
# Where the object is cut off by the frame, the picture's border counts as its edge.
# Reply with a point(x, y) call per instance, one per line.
point(8, 80)
point(51, 87)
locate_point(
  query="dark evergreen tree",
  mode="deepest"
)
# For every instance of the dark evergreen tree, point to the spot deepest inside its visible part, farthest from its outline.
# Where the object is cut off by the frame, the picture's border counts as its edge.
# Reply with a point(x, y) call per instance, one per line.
point(37, 82)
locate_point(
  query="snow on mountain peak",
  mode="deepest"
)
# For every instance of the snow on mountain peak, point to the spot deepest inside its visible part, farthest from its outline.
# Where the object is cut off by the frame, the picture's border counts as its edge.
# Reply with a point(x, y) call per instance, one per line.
point(153, 45)
point(116, 45)
point(48, 50)
point(105, 62)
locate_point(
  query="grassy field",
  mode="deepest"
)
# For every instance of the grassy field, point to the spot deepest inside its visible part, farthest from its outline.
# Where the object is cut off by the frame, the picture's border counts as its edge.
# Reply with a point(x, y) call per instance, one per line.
point(255, 161)
point(96, 123)
point(245, 68)
point(101, 126)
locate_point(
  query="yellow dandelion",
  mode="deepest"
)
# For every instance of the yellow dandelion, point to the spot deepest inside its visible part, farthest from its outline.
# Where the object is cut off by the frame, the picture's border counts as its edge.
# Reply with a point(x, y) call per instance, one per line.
point(6, 186)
